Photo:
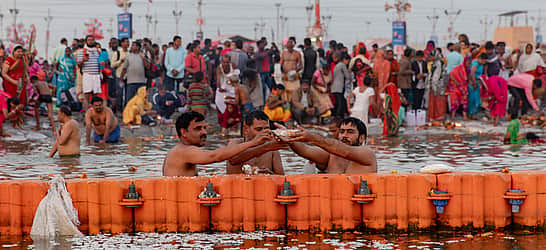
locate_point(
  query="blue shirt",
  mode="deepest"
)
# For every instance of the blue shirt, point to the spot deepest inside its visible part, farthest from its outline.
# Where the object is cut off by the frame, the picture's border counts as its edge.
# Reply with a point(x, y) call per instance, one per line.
point(174, 60)
point(454, 59)
point(479, 68)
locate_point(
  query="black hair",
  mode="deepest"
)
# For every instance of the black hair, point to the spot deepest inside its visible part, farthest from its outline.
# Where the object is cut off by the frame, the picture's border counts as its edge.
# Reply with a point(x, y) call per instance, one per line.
point(375, 46)
point(362, 50)
point(419, 53)
point(276, 58)
point(292, 38)
point(239, 43)
point(14, 100)
point(183, 121)
point(333, 43)
point(176, 38)
point(501, 44)
point(259, 42)
point(320, 51)
point(367, 80)
point(171, 43)
point(124, 39)
point(489, 45)
point(255, 115)
point(449, 45)
point(198, 76)
point(65, 110)
point(96, 99)
point(408, 52)
point(340, 46)
point(537, 83)
point(279, 87)
point(307, 41)
point(189, 46)
point(346, 56)
point(63, 40)
point(88, 36)
point(483, 56)
point(531, 136)
point(360, 126)
point(33, 78)
point(192, 46)
point(137, 44)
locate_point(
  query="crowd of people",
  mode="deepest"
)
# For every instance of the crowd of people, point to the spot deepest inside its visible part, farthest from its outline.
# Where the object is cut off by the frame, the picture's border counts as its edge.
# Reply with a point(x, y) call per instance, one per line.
point(254, 84)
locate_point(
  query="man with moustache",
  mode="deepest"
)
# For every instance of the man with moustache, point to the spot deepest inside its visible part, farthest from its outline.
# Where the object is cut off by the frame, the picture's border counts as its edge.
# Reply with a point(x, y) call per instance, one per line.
point(345, 155)
point(183, 158)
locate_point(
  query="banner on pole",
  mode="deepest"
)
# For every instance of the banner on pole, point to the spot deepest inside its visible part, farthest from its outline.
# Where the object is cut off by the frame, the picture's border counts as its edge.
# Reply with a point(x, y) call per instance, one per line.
point(399, 33)
point(125, 25)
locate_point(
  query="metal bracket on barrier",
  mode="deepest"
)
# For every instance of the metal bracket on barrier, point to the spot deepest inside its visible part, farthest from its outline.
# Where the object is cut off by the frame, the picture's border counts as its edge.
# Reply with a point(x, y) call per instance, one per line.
point(287, 195)
point(439, 199)
point(209, 197)
point(132, 198)
point(363, 194)
point(515, 197)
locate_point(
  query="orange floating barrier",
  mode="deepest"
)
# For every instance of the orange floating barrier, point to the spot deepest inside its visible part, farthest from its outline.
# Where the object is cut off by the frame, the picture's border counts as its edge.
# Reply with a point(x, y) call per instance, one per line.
point(392, 202)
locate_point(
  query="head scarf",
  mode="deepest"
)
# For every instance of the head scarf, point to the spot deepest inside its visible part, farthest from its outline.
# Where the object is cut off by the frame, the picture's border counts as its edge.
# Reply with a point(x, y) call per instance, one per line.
point(360, 45)
point(429, 49)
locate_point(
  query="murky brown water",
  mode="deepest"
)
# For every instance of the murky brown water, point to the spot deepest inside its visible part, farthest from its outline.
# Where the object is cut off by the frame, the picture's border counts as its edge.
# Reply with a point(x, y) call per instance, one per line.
point(407, 153)
point(290, 240)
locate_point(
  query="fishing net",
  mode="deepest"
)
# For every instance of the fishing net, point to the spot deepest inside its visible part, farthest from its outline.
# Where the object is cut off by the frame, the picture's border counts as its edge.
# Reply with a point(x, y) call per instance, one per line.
point(56, 216)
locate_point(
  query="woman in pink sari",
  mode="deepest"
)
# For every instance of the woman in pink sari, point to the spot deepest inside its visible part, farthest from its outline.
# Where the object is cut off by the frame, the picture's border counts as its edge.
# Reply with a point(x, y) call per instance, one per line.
point(457, 90)
point(497, 89)
point(381, 70)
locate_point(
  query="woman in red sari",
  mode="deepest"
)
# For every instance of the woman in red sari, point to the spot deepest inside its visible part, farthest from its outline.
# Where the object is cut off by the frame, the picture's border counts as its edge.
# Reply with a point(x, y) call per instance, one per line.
point(457, 90)
point(381, 71)
point(13, 71)
point(391, 122)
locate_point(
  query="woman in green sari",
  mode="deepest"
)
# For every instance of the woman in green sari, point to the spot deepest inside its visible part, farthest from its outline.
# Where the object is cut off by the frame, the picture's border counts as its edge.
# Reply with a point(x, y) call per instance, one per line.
point(66, 73)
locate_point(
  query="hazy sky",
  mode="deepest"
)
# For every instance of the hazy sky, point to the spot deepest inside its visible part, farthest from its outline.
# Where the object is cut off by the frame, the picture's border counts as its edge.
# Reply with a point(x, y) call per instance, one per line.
point(348, 22)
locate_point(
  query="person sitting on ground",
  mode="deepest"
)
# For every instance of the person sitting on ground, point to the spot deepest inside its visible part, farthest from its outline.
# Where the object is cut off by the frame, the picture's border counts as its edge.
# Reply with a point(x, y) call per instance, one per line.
point(513, 135)
point(103, 122)
point(68, 141)
point(9, 108)
point(199, 94)
point(183, 158)
point(345, 155)
point(15, 112)
point(276, 108)
point(44, 91)
point(165, 103)
point(138, 108)
point(305, 104)
point(265, 157)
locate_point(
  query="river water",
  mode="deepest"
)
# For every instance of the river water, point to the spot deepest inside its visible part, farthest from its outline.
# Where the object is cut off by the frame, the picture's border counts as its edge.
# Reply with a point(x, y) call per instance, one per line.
point(475, 147)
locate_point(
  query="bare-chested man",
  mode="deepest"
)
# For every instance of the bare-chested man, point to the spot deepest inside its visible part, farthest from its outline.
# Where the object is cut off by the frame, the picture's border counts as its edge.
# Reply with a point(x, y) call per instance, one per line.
point(346, 155)
point(291, 64)
point(181, 159)
point(265, 157)
point(68, 141)
point(103, 122)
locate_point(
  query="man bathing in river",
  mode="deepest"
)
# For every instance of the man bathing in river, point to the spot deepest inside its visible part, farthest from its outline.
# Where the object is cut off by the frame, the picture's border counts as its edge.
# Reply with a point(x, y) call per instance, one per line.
point(69, 135)
point(102, 120)
point(190, 127)
point(265, 157)
point(346, 155)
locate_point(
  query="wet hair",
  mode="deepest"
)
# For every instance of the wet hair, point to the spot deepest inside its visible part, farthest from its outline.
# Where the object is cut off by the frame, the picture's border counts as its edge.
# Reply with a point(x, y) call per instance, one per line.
point(176, 38)
point(360, 126)
point(307, 41)
point(96, 99)
point(419, 53)
point(255, 115)
point(537, 83)
point(183, 121)
point(65, 110)
point(239, 43)
point(33, 78)
point(489, 45)
point(483, 56)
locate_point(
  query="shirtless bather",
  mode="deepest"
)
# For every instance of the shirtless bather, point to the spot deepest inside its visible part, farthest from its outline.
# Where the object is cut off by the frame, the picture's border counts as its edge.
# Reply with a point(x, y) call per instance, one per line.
point(181, 160)
point(68, 141)
point(102, 120)
point(345, 155)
